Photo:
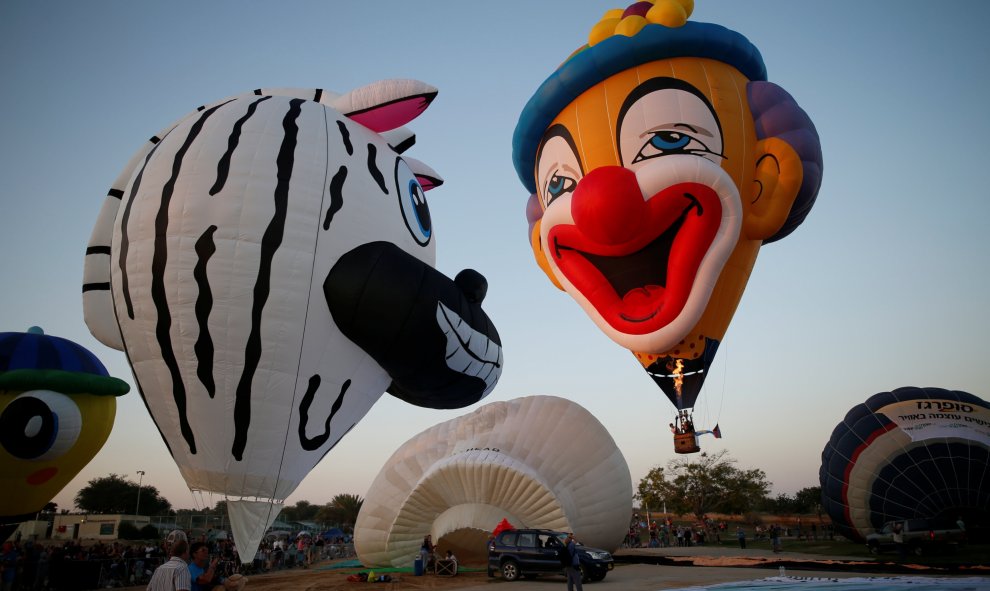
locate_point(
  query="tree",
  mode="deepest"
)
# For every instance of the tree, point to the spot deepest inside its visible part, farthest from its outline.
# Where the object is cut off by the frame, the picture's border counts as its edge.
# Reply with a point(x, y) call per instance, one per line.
point(301, 511)
point(115, 494)
point(342, 511)
point(808, 500)
point(710, 484)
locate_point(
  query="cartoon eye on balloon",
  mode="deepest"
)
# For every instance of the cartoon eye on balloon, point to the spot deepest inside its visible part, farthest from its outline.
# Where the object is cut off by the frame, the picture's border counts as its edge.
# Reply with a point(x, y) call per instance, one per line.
point(267, 263)
point(650, 201)
point(57, 407)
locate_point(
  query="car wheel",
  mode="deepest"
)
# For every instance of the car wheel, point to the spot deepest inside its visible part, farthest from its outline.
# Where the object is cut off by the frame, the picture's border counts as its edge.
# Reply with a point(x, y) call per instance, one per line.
point(916, 550)
point(584, 574)
point(874, 548)
point(510, 570)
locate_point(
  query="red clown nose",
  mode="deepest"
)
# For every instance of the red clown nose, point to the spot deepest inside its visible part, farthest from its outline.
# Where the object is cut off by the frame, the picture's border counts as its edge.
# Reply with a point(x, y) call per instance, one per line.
point(608, 205)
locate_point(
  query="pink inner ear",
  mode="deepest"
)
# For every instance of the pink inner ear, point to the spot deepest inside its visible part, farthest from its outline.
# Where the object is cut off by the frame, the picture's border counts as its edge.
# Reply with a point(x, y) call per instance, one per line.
point(428, 182)
point(391, 115)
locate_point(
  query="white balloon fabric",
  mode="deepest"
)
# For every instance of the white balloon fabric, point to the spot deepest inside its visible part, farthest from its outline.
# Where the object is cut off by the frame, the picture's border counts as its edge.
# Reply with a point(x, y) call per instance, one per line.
point(538, 461)
point(248, 258)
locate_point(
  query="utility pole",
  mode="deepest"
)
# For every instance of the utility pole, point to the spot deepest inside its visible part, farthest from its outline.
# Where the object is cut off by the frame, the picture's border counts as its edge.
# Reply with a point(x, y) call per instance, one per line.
point(140, 480)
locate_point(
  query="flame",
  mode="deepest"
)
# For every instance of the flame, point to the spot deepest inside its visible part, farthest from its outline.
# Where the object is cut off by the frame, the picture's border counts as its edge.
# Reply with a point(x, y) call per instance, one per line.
point(677, 372)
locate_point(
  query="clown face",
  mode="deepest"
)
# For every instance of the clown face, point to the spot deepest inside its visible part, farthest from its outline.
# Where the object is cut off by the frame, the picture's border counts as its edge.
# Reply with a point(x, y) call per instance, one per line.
point(655, 196)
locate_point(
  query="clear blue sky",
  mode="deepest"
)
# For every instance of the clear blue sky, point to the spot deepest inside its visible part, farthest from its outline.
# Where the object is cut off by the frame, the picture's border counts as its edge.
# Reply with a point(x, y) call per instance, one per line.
point(885, 285)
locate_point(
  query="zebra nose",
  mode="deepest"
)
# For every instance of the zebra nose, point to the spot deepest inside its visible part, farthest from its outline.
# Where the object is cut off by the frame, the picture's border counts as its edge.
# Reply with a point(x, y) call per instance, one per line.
point(473, 284)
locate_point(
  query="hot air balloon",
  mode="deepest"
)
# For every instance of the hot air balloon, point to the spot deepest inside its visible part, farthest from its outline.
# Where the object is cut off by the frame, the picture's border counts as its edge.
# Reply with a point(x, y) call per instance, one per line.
point(659, 160)
point(57, 406)
point(267, 265)
point(537, 461)
point(908, 453)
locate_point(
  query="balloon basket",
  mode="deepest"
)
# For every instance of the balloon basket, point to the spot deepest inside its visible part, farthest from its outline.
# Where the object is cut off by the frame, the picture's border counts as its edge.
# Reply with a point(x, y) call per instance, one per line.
point(686, 443)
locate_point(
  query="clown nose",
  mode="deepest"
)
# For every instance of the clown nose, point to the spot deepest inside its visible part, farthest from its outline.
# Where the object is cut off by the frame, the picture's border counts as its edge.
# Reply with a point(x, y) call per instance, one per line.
point(608, 206)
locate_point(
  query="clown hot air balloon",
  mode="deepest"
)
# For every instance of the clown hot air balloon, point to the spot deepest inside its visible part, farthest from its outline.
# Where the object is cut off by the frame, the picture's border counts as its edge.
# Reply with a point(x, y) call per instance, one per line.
point(57, 406)
point(660, 159)
point(908, 453)
point(267, 265)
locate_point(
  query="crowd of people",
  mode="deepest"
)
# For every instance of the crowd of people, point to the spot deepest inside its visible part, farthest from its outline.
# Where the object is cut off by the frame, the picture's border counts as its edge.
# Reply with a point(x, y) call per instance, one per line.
point(665, 534)
point(71, 565)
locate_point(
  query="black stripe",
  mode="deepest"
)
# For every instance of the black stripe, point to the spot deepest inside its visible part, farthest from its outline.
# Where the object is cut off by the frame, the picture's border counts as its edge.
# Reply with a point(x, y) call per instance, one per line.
point(373, 168)
point(97, 250)
point(205, 248)
point(158, 295)
point(115, 193)
point(336, 195)
point(155, 139)
point(405, 144)
point(223, 167)
point(319, 95)
point(270, 243)
point(201, 108)
point(345, 134)
point(314, 384)
point(125, 242)
point(257, 91)
point(96, 287)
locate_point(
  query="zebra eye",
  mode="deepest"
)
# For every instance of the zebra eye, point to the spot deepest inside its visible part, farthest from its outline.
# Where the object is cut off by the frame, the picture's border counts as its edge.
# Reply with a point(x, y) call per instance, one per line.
point(412, 202)
point(40, 425)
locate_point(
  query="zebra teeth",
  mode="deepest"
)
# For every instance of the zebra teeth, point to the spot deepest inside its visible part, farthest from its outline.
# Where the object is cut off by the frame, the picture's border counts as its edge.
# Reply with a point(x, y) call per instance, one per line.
point(469, 351)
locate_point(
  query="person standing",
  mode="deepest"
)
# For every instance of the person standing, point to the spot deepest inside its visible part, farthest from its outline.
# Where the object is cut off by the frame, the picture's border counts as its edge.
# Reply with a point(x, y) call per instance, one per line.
point(775, 538)
point(897, 535)
point(741, 535)
point(174, 574)
point(202, 570)
point(572, 569)
point(426, 552)
point(10, 559)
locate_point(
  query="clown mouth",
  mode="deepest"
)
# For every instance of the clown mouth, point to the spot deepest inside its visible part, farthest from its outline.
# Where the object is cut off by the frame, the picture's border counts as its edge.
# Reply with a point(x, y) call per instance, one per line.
point(635, 288)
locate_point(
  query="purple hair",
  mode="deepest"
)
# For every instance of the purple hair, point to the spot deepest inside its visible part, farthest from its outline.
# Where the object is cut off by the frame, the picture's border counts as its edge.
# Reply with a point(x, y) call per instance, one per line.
point(776, 114)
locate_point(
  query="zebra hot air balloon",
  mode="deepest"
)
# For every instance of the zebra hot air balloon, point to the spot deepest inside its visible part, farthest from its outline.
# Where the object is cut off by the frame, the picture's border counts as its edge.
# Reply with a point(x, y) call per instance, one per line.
point(267, 265)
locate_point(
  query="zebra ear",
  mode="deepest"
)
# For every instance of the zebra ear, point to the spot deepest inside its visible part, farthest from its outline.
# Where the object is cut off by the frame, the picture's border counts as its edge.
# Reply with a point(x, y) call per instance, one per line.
point(400, 139)
point(386, 104)
point(427, 177)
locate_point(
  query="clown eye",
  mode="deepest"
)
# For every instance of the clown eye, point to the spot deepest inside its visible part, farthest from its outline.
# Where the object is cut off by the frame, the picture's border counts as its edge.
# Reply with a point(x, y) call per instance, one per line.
point(666, 142)
point(559, 185)
point(412, 202)
point(40, 425)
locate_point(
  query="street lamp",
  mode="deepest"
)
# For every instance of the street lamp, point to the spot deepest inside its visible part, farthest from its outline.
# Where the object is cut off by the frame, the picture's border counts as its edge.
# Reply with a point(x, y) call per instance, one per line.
point(140, 480)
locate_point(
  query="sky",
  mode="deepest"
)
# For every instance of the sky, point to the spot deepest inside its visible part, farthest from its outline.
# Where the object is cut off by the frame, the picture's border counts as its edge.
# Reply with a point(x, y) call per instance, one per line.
point(884, 285)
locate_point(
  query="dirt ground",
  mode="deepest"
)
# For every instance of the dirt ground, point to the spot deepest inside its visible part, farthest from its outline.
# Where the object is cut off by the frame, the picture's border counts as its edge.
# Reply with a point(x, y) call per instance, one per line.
point(685, 567)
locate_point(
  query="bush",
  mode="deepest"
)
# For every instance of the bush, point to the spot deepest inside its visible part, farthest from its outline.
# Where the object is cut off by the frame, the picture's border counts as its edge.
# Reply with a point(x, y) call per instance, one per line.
point(129, 531)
